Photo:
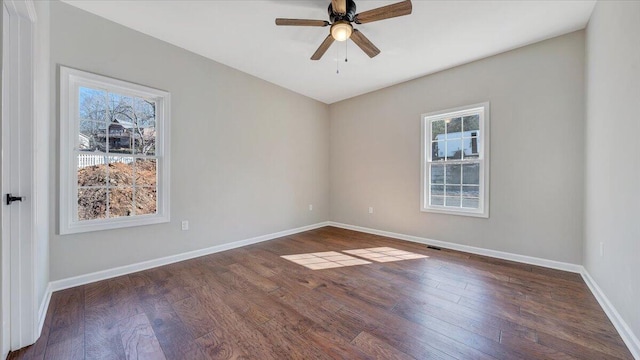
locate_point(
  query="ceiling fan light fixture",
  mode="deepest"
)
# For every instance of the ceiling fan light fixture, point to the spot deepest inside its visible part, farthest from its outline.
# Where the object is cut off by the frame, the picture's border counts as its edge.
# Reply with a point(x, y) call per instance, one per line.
point(341, 30)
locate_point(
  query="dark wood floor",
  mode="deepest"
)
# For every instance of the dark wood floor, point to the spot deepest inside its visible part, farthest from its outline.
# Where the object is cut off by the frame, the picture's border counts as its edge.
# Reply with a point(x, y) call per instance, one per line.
point(250, 303)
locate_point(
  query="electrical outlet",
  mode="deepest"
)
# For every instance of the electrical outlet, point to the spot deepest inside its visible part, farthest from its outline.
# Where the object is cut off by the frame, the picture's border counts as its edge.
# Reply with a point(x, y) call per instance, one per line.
point(185, 225)
point(370, 210)
point(601, 249)
point(310, 207)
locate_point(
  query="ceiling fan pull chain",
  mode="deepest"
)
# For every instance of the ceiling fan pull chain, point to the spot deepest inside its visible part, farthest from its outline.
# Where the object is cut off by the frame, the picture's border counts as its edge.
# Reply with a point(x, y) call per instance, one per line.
point(337, 59)
point(346, 51)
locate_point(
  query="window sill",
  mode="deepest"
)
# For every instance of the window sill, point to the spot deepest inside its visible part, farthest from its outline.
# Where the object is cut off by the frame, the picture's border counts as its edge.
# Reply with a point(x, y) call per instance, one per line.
point(125, 222)
point(471, 213)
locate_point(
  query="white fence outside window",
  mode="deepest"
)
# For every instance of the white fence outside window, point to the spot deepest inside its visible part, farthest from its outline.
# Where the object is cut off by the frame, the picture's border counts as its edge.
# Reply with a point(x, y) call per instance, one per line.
point(85, 160)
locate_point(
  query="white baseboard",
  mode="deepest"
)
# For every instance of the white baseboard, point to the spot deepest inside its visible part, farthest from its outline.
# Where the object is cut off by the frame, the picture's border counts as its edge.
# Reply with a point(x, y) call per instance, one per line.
point(128, 269)
point(629, 338)
point(44, 306)
point(469, 249)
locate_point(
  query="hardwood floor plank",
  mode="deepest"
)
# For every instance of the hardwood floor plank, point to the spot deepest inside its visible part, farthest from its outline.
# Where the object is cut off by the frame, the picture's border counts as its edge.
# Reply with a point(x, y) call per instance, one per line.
point(71, 348)
point(68, 316)
point(216, 347)
point(173, 336)
point(102, 335)
point(255, 279)
point(438, 315)
point(293, 344)
point(377, 348)
point(138, 339)
point(198, 322)
point(251, 303)
point(245, 336)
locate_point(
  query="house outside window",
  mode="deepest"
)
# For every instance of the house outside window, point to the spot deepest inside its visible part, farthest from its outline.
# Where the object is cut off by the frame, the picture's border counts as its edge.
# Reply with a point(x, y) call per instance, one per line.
point(114, 148)
point(455, 161)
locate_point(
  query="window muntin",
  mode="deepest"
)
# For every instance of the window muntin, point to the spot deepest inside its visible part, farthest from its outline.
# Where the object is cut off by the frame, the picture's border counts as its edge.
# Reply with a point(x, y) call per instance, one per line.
point(114, 153)
point(455, 176)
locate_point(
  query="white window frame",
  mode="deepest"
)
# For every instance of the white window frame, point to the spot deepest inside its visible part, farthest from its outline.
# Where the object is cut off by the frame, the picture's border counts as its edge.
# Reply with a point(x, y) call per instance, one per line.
point(70, 82)
point(483, 160)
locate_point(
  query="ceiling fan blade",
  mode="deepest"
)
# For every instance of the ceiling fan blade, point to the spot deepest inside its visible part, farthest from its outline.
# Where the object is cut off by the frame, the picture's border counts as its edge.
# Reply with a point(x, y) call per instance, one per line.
point(301, 22)
point(385, 12)
point(323, 48)
point(339, 6)
point(364, 43)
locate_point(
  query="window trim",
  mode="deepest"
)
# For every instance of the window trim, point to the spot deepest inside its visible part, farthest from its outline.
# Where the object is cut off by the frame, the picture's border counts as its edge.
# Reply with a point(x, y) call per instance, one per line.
point(70, 80)
point(483, 159)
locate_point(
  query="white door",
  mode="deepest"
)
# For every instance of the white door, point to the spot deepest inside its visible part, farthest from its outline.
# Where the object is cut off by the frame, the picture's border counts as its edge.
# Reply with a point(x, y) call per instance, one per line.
point(18, 301)
point(5, 248)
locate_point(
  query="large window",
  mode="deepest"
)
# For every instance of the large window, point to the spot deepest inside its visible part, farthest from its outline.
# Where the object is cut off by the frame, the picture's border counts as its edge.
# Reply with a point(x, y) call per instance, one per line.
point(455, 161)
point(114, 153)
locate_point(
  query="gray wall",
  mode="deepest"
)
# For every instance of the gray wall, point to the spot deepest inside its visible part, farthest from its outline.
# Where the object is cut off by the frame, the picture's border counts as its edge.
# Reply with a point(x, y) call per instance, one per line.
point(247, 159)
point(612, 173)
point(537, 118)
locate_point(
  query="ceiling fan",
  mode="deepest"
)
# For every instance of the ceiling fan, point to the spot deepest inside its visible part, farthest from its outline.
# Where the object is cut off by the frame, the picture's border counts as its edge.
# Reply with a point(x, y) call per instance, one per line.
point(342, 14)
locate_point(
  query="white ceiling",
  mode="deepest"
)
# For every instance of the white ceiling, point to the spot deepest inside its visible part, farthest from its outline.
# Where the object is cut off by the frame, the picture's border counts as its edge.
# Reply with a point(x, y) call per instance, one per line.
point(436, 36)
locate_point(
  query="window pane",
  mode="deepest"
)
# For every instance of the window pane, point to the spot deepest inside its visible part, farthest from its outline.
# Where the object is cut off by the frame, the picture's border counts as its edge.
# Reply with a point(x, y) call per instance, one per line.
point(92, 104)
point(92, 136)
point(471, 191)
point(92, 170)
point(452, 201)
point(437, 190)
point(454, 149)
point(437, 200)
point(145, 111)
point(471, 174)
point(453, 190)
point(454, 128)
point(470, 147)
point(120, 138)
point(437, 174)
point(453, 174)
point(471, 123)
point(437, 130)
point(144, 129)
point(472, 203)
point(438, 149)
point(120, 202)
point(120, 171)
point(146, 202)
point(121, 109)
point(92, 204)
point(146, 172)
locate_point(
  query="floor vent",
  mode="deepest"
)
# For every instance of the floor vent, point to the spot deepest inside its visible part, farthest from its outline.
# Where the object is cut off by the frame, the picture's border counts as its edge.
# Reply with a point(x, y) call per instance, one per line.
point(433, 247)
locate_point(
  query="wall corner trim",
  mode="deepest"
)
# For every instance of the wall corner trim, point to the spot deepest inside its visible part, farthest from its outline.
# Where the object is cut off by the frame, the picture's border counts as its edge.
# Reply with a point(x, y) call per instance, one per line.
point(128, 269)
point(42, 312)
point(574, 268)
point(629, 338)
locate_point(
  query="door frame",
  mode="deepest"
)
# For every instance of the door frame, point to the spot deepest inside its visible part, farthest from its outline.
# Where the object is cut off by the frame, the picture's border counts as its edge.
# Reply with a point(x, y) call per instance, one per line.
point(19, 304)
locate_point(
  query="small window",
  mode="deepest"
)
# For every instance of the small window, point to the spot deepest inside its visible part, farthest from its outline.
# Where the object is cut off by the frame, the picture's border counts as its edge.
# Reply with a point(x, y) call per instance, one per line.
point(114, 153)
point(455, 161)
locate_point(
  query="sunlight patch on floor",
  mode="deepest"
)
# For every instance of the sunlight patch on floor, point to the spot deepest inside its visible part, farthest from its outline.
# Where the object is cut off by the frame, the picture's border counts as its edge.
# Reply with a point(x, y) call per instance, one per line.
point(324, 260)
point(334, 259)
point(384, 254)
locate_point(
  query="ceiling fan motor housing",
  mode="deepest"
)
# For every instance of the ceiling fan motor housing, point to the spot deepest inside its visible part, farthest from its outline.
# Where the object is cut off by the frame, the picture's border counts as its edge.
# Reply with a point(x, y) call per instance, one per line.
point(348, 16)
